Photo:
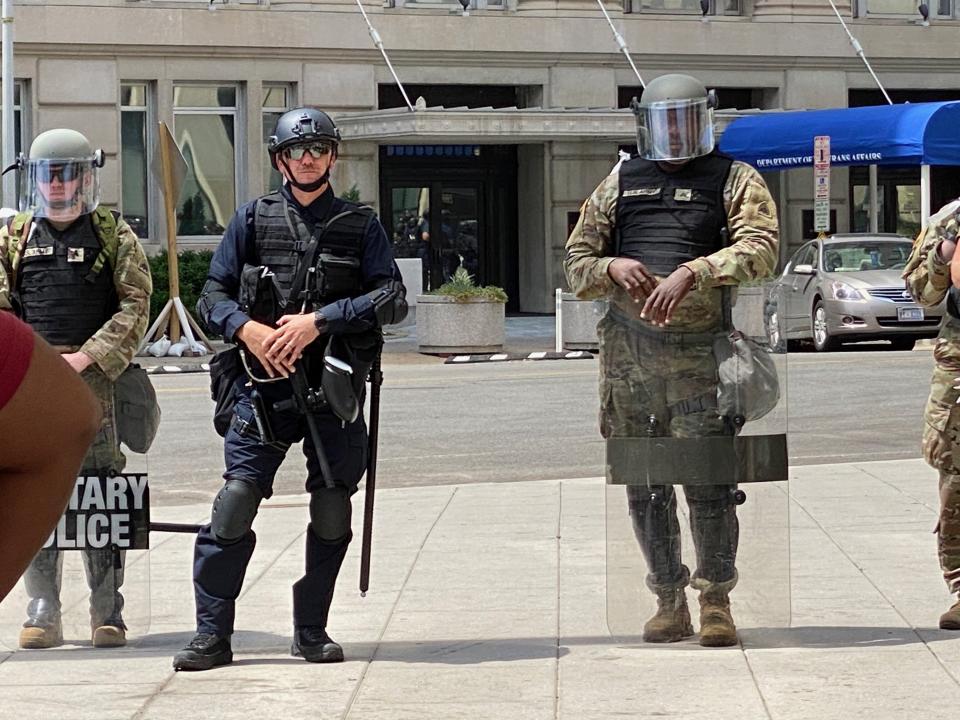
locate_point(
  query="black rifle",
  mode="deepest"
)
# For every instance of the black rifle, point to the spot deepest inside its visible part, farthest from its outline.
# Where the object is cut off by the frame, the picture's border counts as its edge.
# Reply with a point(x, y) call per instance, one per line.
point(376, 380)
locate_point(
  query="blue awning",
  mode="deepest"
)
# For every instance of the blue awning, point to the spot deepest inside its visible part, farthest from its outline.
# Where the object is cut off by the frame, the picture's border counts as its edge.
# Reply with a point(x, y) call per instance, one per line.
point(910, 134)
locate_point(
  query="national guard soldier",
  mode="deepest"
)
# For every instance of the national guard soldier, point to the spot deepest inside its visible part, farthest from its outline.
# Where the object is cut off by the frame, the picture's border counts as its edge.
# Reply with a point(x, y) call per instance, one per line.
point(77, 273)
point(652, 239)
point(928, 276)
point(299, 275)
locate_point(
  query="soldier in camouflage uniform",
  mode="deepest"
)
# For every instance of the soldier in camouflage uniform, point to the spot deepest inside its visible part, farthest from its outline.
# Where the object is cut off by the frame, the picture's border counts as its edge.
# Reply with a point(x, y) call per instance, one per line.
point(89, 298)
point(651, 239)
point(928, 278)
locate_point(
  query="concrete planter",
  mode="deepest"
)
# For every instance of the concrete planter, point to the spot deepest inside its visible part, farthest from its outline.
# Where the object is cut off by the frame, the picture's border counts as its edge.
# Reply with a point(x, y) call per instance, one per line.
point(447, 326)
point(579, 320)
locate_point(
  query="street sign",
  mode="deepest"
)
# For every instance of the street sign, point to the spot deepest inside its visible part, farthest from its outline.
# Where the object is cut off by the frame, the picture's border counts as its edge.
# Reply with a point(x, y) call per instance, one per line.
point(821, 183)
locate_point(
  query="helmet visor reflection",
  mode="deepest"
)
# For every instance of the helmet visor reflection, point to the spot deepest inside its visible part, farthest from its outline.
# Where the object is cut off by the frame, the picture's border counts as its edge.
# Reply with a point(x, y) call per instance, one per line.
point(675, 129)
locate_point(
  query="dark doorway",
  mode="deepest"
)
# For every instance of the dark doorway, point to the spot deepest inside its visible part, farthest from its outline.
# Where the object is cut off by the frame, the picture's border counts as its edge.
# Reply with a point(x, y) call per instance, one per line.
point(453, 206)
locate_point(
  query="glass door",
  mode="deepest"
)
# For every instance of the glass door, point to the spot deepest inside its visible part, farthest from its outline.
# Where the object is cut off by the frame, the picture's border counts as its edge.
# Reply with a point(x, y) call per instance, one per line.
point(409, 226)
point(438, 224)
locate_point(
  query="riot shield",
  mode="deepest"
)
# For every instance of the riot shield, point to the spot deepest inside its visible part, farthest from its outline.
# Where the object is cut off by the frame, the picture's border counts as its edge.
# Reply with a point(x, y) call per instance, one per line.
point(94, 570)
point(697, 501)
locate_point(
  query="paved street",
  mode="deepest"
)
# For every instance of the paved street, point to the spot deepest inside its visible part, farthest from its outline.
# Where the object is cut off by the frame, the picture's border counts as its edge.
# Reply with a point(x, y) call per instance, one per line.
point(490, 593)
point(507, 422)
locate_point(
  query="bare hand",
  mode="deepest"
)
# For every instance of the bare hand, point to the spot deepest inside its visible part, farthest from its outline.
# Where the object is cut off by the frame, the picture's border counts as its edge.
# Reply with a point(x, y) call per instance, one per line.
point(947, 251)
point(632, 276)
point(665, 298)
point(254, 335)
point(286, 344)
point(79, 361)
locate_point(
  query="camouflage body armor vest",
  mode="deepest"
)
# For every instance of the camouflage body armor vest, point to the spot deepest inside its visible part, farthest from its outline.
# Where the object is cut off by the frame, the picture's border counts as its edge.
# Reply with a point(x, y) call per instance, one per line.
point(665, 219)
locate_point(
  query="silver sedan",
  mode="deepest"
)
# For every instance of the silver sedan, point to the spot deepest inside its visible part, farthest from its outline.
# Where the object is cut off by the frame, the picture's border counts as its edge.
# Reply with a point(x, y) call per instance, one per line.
point(847, 288)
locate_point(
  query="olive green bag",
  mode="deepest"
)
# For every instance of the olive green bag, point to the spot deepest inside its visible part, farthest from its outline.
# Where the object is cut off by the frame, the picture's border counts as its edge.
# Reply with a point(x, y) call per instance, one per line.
point(748, 386)
point(138, 414)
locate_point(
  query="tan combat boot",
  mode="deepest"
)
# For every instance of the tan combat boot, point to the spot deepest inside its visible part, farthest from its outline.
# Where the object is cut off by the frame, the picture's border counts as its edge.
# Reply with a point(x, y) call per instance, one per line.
point(40, 638)
point(716, 623)
point(950, 620)
point(107, 636)
point(672, 619)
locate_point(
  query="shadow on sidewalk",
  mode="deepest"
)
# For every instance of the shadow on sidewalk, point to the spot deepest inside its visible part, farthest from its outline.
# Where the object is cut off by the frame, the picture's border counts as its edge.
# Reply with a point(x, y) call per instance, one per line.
point(827, 636)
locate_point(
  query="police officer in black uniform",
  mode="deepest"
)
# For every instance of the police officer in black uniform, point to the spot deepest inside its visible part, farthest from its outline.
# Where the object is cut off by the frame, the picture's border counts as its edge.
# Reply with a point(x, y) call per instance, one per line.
point(299, 275)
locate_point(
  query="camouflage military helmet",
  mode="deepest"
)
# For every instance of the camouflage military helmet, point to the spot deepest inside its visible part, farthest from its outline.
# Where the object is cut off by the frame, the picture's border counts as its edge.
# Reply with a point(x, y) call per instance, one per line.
point(301, 126)
point(60, 177)
point(674, 119)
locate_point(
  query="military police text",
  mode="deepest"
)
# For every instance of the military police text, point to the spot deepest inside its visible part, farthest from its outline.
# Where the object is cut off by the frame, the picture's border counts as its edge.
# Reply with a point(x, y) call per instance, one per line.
point(101, 513)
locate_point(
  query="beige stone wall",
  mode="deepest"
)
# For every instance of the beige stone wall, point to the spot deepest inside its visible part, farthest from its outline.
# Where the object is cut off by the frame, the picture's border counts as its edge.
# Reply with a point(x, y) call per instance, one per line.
point(561, 52)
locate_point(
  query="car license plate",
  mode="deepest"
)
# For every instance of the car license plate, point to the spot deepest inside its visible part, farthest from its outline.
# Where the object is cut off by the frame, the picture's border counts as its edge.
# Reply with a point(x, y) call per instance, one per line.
point(909, 314)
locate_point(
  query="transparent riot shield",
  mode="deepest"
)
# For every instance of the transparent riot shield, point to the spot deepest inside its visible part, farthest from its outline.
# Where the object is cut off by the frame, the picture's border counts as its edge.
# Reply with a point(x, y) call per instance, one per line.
point(697, 502)
point(93, 574)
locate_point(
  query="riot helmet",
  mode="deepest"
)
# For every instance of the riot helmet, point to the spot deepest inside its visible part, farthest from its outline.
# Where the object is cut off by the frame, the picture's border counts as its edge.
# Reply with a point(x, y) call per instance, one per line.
point(302, 130)
point(674, 119)
point(60, 179)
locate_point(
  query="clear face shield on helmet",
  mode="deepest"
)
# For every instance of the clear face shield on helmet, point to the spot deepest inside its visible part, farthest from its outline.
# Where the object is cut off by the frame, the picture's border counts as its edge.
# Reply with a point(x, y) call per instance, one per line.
point(62, 188)
point(675, 129)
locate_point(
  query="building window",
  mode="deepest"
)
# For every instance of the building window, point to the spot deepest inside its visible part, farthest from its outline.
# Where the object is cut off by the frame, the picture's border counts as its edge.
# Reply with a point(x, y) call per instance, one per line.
point(276, 100)
point(451, 5)
point(19, 122)
point(891, 8)
point(136, 144)
point(684, 7)
point(205, 128)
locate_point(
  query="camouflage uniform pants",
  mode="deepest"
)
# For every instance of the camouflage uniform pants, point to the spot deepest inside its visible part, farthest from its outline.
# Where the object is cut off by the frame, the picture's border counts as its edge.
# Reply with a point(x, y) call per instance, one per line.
point(665, 384)
point(103, 566)
point(941, 449)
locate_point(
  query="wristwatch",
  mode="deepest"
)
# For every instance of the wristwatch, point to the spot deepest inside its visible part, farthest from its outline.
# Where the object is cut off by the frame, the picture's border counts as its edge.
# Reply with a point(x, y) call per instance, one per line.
point(319, 322)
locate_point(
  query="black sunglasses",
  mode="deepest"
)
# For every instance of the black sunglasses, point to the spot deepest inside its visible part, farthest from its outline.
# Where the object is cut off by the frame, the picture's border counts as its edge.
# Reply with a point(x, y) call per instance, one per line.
point(316, 149)
point(65, 173)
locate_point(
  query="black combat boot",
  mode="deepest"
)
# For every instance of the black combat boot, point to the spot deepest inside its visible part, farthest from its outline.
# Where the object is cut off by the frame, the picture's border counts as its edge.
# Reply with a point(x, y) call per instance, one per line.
point(312, 643)
point(205, 651)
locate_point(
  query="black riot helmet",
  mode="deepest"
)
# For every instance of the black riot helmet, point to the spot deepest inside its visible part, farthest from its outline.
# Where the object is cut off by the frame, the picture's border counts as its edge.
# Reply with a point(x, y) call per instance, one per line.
point(301, 125)
point(304, 126)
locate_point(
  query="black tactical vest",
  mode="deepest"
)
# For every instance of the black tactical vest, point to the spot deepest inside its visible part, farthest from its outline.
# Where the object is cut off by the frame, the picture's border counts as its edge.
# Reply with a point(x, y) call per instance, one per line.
point(665, 219)
point(59, 295)
point(283, 235)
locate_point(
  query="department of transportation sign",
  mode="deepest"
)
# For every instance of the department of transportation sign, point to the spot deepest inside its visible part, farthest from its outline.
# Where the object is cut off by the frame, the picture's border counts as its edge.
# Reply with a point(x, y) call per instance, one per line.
point(821, 183)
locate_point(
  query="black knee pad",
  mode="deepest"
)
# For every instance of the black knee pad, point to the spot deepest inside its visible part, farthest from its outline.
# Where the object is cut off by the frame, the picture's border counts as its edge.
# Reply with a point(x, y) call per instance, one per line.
point(234, 509)
point(330, 513)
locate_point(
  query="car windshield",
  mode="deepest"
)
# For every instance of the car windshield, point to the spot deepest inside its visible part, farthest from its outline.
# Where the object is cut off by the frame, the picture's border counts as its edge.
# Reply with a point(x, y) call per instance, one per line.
point(860, 256)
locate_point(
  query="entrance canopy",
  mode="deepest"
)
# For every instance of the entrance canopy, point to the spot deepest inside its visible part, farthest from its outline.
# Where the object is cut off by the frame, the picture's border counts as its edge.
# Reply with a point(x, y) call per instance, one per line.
point(908, 134)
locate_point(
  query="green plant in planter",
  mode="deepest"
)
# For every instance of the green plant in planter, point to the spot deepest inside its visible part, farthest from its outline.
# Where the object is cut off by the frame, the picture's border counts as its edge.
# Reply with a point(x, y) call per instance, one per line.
point(461, 288)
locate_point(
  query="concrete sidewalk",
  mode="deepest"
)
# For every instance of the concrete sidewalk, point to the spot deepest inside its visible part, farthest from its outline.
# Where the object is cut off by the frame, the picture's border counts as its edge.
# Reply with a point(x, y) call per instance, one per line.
point(488, 601)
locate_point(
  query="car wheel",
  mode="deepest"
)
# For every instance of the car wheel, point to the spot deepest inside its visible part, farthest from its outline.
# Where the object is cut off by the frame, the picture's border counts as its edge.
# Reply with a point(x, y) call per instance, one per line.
point(903, 343)
point(778, 343)
point(822, 341)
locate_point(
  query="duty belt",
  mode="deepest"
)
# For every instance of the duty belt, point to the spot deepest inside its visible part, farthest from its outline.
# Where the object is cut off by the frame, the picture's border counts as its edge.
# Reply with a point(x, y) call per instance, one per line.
point(665, 337)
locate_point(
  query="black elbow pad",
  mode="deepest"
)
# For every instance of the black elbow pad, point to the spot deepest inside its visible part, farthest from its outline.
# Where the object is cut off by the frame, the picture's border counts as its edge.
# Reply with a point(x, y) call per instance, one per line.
point(390, 302)
point(212, 293)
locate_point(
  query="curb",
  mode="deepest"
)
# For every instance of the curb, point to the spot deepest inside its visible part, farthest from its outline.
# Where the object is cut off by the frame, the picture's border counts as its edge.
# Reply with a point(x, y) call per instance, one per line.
point(506, 357)
point(177, 369)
